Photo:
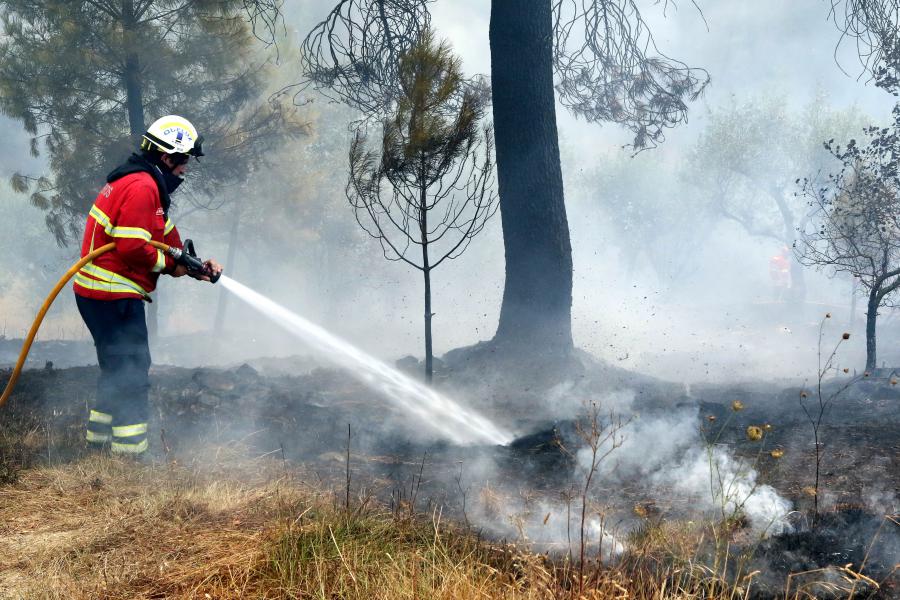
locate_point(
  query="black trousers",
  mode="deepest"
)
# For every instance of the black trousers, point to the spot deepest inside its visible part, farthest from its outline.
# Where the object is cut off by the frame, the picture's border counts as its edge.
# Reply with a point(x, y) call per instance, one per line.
point(119, 415)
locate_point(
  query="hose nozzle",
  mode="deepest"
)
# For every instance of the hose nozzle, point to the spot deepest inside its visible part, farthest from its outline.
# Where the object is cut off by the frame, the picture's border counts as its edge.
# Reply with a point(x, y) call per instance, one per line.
point(195, 266)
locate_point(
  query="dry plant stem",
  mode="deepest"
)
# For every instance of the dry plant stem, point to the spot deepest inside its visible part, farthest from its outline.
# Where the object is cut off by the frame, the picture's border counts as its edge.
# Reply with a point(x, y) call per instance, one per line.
point(463, 494)
point(720, 488)
point(49, 459)
point(723, 491)
point(414, 493)
point(716, 484)
point(865, 560)
point(569, 495)
point(347, 488)
point(601, 439)
point(816, 415)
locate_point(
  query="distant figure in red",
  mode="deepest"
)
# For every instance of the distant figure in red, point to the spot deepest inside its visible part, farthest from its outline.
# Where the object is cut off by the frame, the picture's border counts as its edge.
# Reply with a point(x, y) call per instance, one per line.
point(780, 272)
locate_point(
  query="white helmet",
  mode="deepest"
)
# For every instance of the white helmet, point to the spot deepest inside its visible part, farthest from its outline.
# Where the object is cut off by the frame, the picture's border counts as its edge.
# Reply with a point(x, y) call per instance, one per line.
point(173, 135)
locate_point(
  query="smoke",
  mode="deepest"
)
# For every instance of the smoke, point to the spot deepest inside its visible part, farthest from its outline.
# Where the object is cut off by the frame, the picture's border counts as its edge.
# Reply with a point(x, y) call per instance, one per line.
point(566, 399)
point(544, 521)
point(669, 452)
point(658, 456)
point(881, 501)
point(551, 526)
point(718, 481)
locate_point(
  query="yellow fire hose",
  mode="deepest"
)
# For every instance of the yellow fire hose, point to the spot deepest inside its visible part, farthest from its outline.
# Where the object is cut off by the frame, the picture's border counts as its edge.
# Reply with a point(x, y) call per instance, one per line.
point(26, 347)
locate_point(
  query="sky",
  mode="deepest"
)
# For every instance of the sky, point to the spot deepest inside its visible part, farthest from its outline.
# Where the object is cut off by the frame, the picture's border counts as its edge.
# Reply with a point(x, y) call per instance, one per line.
point(749, 49)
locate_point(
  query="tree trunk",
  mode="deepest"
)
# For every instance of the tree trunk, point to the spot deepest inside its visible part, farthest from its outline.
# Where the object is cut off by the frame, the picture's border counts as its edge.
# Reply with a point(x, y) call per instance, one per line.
point(871, 317)
point(429, 352)
point(426, 271)
point(221, 308)
point(798, 281)
point(134, 105)
point(853, 295)
point(536, 314)
point(798, 278)
point(131, 75)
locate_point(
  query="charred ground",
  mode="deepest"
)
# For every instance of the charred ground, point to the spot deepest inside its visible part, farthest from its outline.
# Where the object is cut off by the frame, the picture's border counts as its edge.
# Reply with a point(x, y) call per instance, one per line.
point(310, 419)
point(306, 416)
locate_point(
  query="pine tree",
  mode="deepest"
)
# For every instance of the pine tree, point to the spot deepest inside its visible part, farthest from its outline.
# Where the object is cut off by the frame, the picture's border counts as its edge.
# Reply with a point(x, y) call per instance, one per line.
point(85, 78)
point(427, 193)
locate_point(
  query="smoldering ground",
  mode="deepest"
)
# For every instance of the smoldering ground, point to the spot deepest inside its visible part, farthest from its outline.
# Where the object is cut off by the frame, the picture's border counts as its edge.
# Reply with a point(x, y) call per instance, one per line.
point(670, 464)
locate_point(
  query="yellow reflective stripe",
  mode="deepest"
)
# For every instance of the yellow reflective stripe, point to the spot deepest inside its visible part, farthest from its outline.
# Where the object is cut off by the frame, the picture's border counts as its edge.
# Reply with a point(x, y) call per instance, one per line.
point(96, 437)
point(120, 232)
point(100, 216)
point(135, 233)
point(100, 417)
point(160, 262)
point(169, 226)
point(120, 448)
point(110, 277)
point(104, 286)
point(129, 430)
point(107, 275)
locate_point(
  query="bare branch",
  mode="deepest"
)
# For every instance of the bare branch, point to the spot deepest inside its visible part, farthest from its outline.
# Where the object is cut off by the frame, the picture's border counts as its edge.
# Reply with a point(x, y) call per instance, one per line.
point(873, 27)
point(853, 226)
point(609, 69)
point(352, 56)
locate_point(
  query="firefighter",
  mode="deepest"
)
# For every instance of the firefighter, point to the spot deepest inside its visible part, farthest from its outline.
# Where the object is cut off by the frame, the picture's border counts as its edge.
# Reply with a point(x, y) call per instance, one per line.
point(780, 272)
point(131, 209)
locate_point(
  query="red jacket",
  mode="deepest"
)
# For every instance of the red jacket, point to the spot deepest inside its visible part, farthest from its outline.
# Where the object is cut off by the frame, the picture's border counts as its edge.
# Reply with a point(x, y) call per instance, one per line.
point(129, 212)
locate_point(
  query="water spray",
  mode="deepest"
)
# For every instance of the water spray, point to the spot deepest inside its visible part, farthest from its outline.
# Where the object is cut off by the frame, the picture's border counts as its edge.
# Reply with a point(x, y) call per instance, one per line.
point(445, 417)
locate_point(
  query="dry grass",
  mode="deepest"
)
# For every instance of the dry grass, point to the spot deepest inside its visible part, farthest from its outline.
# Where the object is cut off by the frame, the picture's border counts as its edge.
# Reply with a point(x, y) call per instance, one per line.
point(108, 528)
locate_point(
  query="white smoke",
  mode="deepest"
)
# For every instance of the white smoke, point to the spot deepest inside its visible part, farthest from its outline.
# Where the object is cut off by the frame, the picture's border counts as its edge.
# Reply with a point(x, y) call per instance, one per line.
point(664, 455)
point(728, 485)
point(545, 524)
point(667, 451)
point(881, 501)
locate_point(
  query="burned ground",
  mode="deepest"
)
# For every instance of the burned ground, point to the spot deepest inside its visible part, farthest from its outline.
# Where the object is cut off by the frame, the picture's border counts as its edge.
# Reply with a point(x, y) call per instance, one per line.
point(305, 419)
